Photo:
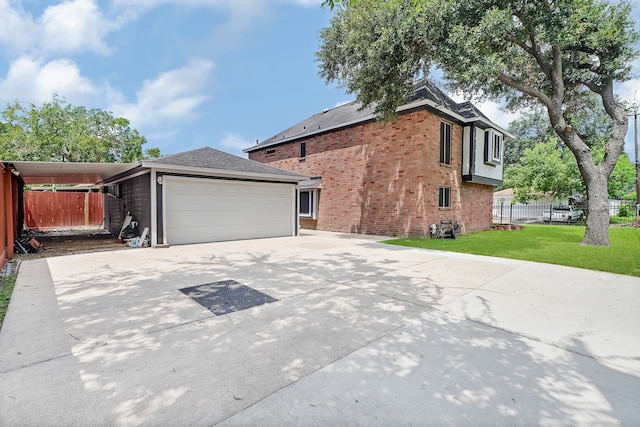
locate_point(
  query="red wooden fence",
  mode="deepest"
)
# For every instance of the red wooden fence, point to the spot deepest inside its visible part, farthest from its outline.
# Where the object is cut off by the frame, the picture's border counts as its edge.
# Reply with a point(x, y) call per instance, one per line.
point(61, 209)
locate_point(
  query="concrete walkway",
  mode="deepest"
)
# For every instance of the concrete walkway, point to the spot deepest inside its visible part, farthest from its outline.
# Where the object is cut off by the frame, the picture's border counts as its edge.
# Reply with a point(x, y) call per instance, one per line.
point(362, 334)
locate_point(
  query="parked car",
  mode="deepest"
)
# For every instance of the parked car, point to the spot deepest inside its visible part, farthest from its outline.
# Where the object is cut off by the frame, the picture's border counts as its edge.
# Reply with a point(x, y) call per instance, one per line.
point(564, 213)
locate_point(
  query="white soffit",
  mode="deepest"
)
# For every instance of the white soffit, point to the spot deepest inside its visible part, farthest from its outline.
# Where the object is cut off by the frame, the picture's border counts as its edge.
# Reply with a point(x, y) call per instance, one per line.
point(68, 172)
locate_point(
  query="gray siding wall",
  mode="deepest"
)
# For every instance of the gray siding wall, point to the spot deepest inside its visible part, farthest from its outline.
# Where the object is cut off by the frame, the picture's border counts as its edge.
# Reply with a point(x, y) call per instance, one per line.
point(135, 197)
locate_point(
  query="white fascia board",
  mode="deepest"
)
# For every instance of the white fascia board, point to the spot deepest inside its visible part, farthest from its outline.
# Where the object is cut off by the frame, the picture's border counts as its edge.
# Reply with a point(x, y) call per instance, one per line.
point(223, 173)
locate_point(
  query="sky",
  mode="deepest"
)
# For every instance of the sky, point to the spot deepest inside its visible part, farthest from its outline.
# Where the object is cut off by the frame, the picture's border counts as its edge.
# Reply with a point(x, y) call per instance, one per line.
point(186, 73)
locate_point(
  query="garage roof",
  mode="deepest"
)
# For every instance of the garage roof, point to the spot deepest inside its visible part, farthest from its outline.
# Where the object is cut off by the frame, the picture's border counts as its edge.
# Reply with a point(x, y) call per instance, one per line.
point(67, 172)
point(203, 161)
point(209, 161)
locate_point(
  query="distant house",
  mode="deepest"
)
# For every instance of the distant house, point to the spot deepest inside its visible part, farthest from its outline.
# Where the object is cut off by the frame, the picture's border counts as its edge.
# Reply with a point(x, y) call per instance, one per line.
point(439, 161)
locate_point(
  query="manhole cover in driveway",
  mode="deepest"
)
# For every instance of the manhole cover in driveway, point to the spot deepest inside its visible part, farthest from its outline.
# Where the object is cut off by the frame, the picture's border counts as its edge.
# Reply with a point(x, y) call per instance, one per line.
point(226, 296)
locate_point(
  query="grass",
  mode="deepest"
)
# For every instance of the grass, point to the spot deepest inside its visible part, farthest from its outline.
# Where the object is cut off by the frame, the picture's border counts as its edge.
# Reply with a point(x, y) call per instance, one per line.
point(6, 288)
point(549, 244)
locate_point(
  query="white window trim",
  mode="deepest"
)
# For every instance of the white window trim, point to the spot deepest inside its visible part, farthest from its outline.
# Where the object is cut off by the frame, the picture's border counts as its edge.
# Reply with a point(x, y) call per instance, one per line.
point(494, 139)
point(313, 211)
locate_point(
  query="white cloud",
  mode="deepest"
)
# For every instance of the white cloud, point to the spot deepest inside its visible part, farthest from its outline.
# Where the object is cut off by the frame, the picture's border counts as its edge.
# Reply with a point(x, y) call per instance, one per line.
point(31, 81)
point(234, 144)
point(68, 27)
point(73, 26)
point(172, 96)
point(18, 31)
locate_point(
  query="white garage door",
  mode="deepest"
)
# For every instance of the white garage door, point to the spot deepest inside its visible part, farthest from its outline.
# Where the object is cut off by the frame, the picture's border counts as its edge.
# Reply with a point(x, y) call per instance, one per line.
point(206, 210)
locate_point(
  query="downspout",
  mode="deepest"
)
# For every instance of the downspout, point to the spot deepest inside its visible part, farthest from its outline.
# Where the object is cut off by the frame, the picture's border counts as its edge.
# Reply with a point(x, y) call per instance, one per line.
point(154, 209)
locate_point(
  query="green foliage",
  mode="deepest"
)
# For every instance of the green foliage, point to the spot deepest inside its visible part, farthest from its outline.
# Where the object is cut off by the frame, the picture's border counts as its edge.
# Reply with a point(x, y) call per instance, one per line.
point(622, 180)
point(544, 170)
point(626, 210)
point(377, 48)
point(60, 132)
point(549, 244)
point(526, 172)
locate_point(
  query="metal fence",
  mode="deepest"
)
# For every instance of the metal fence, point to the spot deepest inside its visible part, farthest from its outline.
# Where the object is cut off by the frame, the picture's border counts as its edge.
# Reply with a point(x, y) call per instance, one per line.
point(622, 213)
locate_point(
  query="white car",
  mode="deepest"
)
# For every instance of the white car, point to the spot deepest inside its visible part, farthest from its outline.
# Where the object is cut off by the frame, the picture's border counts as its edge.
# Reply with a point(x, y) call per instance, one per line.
point(564, 213)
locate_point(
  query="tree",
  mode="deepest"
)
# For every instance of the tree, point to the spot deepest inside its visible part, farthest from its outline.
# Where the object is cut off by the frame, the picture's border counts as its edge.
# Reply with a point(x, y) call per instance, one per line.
point(550, 53)
point(60, 132)
point(530, 179)
point(542, 170)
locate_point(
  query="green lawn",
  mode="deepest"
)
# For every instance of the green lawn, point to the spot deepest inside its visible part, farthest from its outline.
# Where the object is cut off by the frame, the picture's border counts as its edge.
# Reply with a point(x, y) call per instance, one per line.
point(6, 288)
point(542, 243)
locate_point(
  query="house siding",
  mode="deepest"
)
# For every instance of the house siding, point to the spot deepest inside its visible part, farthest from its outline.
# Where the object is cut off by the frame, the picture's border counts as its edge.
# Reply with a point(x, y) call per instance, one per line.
point(135, 198)
point(384, 178)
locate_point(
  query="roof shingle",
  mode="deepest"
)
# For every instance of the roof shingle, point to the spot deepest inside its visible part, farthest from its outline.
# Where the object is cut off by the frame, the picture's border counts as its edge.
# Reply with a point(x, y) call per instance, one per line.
point(348, 114)
point(211, 158)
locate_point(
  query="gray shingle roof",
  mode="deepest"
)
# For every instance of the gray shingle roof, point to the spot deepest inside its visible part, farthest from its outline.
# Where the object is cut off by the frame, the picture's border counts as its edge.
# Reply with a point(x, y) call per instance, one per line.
point(348, 114)
point(210, 158)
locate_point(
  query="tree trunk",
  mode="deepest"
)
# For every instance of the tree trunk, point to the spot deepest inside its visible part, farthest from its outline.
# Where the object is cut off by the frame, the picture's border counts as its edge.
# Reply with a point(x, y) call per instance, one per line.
point(597, 233)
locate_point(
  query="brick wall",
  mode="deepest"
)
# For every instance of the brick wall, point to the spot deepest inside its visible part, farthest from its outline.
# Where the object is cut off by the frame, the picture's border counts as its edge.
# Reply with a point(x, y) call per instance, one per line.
point(384, 179)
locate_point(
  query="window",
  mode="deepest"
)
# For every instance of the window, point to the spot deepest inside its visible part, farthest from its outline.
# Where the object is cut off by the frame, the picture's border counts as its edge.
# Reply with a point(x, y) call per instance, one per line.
point(445, 143)
point(497, 147)
point(307, 205)
point(492, 147)
point(114, 190)
point(444, 197)
point(303, 149)
point(270, 151)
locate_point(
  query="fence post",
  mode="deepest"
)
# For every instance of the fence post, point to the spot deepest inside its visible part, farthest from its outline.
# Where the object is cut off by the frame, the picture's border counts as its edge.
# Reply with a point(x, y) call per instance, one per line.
point(501, 207)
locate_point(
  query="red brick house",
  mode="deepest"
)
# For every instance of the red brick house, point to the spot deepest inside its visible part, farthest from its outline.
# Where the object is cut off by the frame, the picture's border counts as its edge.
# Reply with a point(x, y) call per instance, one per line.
point(439, 161)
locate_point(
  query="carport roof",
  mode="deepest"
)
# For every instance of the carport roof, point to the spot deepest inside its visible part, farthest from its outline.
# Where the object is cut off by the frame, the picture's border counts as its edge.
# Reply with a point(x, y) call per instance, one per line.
point(67, 172)
point(202, 161)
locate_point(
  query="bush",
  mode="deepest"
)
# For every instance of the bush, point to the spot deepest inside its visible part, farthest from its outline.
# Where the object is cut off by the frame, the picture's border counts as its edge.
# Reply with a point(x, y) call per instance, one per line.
point(626, 210)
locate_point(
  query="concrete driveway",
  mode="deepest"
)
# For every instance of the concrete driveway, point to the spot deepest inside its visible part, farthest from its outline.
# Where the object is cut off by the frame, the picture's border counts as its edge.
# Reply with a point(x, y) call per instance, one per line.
point(362, 334)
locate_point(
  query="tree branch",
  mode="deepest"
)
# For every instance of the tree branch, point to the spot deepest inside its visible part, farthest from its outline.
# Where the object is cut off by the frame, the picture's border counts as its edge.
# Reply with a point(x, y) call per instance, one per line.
point(557, 81)
point(536, 53)
point(618, 131)
point(534, 93)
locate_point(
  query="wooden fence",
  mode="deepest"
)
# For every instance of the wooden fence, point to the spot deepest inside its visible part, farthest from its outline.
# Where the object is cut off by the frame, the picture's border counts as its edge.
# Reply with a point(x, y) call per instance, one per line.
point(62, 209)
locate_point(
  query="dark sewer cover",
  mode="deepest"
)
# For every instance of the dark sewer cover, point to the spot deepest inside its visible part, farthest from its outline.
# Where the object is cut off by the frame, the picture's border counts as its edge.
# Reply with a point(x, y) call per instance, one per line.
point(226, 296)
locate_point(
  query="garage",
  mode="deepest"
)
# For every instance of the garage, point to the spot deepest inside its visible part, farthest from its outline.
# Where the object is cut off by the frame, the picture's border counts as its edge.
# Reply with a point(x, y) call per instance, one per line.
point(208, 210)
point(198, 196)
point(203, 195)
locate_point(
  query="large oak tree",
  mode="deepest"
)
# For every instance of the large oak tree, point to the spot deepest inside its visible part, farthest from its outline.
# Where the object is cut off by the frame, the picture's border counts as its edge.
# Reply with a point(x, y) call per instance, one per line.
point(552, 53)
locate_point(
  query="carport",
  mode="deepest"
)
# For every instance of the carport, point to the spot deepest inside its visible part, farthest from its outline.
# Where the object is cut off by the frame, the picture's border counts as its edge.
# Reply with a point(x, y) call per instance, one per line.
point(198, 196)
point(17, 174)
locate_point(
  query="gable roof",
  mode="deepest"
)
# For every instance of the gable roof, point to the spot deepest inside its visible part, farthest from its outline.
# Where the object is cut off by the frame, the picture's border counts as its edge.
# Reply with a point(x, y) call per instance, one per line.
point(209, 161)
point(426, 94)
